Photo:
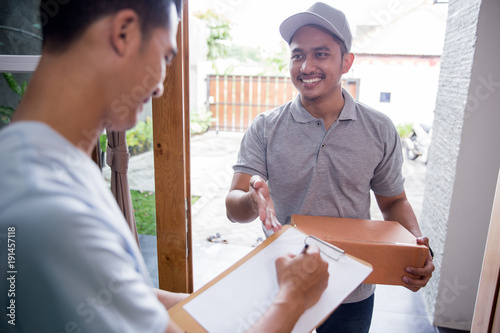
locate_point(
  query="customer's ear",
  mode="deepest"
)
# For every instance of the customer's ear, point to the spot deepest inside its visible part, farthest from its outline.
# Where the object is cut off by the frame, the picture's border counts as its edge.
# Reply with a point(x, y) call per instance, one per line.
point(347, 62)
point(125, 31)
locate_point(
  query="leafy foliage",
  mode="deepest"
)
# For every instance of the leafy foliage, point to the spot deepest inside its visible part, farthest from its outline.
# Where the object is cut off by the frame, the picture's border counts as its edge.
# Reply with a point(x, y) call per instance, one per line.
point(219, 35)
point(277, 62)
point(103, 142)
point(144, 211)
point(201, 122)
point(6, 112)
point(5, 115)
point(219, 46)
point(404, 130)
point(140, 138)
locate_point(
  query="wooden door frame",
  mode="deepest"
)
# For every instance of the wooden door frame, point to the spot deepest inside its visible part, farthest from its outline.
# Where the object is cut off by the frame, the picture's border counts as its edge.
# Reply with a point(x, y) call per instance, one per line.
point(171, 133)
point(487, 309)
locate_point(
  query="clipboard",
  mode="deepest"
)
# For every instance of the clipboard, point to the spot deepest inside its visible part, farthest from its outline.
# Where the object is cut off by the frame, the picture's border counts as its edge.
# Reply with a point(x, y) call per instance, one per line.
point(202, 312)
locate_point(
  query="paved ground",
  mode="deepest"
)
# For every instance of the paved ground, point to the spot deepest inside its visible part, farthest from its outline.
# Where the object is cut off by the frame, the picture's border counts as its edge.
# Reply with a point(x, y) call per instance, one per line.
point(212, 156)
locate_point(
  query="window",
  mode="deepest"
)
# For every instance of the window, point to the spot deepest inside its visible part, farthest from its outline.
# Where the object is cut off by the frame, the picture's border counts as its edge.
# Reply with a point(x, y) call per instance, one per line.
point(20, 48)
point(385, 97)
point(20, 36)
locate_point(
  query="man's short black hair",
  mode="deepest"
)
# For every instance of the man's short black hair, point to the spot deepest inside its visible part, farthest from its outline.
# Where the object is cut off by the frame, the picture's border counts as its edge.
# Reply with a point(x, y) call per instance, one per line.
point(64, 21)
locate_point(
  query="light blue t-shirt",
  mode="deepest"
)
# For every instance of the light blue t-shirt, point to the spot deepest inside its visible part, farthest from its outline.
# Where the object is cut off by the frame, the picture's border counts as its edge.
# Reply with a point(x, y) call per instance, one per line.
point(77, 266)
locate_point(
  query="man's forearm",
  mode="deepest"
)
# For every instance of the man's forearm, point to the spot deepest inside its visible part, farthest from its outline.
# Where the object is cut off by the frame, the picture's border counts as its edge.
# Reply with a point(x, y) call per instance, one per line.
point(278, 318)
point(398, 208)
point(169, 299)
point(239, 207)
point(402, 212)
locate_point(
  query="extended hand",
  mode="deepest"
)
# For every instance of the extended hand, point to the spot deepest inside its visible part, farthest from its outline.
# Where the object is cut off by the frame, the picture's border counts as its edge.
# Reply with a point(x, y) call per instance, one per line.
point(263, 203)
point(423, 274)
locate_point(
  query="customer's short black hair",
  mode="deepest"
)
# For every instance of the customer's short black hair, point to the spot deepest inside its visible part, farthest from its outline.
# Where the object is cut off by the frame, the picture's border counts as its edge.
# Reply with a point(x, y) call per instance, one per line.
point(64, 21)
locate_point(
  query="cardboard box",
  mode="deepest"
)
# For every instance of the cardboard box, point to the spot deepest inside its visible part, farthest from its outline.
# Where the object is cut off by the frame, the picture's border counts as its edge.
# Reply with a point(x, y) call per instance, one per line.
point(387, 245)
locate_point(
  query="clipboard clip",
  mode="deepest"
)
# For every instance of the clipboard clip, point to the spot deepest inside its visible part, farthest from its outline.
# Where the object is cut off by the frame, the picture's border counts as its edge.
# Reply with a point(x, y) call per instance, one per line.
point(329, 250)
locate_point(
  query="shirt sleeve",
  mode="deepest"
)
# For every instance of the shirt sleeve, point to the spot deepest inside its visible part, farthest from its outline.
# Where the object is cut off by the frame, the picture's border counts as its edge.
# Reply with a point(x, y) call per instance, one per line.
point(388, 180)
point(76, 274)
point(252, 155)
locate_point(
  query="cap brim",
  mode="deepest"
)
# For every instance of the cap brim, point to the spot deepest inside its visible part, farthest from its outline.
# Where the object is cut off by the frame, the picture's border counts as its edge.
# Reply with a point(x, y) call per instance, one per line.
point(294, 22)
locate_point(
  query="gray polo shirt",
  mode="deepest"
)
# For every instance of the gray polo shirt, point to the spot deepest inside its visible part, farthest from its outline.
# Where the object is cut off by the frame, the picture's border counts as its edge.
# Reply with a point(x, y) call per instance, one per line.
point(312, 171)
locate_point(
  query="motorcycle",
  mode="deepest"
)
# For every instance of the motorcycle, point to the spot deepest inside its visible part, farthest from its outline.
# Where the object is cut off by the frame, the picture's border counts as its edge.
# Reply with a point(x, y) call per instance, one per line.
point(417, 144)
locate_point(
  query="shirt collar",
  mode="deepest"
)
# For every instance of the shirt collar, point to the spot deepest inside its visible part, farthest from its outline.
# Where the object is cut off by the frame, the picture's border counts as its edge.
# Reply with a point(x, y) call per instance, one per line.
point(299, 112)
point(349, 110)
point(301, 115)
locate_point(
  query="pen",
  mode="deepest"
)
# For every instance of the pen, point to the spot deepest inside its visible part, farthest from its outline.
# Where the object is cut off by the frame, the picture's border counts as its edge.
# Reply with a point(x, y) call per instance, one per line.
point(305, 249)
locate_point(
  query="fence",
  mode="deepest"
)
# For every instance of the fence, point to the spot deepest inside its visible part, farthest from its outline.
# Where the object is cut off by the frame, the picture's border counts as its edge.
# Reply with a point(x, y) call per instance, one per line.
point(235, 100)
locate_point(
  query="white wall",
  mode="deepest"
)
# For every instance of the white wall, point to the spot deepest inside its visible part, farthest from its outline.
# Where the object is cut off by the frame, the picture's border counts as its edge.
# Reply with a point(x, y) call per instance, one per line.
point(464, 159)
point(411, 80)
point(199, 67)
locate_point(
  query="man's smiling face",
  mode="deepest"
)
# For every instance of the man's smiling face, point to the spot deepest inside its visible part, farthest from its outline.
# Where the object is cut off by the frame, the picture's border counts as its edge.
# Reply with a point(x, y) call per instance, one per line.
point(316, 64)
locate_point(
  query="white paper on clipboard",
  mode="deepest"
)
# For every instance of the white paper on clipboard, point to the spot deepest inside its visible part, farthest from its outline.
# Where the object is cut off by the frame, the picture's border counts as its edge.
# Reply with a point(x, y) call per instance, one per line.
point(239, 299)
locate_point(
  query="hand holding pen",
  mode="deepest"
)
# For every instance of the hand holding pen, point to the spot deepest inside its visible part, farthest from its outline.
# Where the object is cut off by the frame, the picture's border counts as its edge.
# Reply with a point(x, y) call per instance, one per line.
point(304, 276)
point(302, 280)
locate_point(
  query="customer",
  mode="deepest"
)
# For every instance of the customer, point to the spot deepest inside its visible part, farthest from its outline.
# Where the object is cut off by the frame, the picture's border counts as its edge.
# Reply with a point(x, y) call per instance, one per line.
point(75, 266)
point(322, 153)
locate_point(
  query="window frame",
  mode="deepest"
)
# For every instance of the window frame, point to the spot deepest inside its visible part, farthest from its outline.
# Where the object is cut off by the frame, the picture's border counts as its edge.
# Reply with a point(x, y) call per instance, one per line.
point(18, 63)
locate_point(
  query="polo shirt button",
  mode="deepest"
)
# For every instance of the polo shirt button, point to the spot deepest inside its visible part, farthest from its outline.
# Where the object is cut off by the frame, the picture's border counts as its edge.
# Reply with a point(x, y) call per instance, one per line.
point(319, 123)
point(323, 146)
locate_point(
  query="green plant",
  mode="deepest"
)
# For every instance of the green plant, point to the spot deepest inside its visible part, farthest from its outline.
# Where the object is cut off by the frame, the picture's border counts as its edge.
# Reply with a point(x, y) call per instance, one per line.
point(144, 203)
point(220, 28)
point(140, 138)
point(144, 211)
point(219, 35)
point(6, 112)
point(201, 122)
point(103, 142)
point(277, 62)
point(404, 130)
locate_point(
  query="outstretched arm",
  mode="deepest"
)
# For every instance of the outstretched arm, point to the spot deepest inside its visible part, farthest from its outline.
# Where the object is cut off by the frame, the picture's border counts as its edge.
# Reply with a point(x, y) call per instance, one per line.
point(249, 198)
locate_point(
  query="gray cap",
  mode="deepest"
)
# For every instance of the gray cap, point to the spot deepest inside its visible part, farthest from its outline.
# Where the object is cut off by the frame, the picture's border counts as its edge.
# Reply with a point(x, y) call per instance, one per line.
point(320, 14)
